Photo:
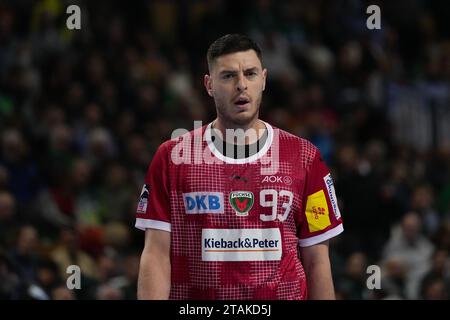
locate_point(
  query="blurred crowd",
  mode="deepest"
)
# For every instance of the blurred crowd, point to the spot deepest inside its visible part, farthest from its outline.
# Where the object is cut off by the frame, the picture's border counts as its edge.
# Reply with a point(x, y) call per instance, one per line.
point(83, 111)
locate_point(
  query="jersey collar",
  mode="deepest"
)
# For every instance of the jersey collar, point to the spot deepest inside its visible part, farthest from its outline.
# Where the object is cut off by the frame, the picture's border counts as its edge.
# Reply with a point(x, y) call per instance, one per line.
point(252, 158)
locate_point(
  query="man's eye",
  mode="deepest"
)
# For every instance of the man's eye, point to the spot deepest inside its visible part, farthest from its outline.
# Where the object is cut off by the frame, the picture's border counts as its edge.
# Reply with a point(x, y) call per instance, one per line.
point(228, 76)
point(251, 74)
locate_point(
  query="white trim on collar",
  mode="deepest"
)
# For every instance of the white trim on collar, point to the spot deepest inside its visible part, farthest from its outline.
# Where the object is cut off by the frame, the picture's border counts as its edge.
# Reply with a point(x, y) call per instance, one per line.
point(252, 158)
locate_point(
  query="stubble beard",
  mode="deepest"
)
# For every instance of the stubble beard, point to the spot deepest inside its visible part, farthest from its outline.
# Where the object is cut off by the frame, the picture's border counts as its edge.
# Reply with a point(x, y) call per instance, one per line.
point(238, 120)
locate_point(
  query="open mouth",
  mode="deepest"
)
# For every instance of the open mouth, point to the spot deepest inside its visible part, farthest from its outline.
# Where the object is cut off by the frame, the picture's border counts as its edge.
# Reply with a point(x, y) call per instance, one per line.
point(242, 101)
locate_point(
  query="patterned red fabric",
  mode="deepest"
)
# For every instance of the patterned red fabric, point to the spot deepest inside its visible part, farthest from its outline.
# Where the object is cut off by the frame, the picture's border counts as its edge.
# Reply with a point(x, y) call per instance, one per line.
point(186, 199)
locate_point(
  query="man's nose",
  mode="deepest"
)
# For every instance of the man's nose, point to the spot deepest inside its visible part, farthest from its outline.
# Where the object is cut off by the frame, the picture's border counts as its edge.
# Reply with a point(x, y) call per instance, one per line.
point(242, 83)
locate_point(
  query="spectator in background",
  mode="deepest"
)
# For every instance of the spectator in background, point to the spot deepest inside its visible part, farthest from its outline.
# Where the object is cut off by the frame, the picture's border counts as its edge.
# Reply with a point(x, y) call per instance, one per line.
point(435, 288)
point(3, 178)
point(422, 202)
point(23, 173)
point(72, 200)
point(358, 188)
point(441, 238)
point(352, 284)
point(67, 252)
point(436, 282)
point(115, 193)
point(9, 222)
point(118, 282)
point(48, 276)
point(393, 280)
point(25, 258)
point(131, 272)
point(61, 292)
point(60, 153)
point(412, 249)
point(9, 279)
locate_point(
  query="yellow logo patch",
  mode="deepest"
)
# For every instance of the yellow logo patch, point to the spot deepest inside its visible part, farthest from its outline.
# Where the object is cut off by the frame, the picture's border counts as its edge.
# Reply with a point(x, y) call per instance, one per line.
point(317, 212)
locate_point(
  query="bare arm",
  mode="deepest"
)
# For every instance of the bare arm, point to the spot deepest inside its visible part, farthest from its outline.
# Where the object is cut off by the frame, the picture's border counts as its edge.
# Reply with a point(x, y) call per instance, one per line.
point(154, 271)
point(317, 266)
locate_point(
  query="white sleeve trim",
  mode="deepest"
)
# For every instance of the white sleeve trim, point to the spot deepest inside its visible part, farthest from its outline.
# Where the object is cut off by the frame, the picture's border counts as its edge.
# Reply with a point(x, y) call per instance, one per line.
point(144, 224)
point(321, 237)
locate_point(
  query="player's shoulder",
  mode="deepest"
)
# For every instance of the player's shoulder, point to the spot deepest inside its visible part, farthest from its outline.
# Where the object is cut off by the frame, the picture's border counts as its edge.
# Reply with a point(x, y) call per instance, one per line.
point(285, 135)
point(305, 149)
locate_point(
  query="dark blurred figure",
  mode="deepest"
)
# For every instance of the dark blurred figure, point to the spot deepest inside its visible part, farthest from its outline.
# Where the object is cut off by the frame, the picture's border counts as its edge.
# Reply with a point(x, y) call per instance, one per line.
point(393, 280)
point(25, 255)
point(131, 272)
point(25, 260)
point(9, 222)
point(435, 288)
point(67, 252)
point(62, 293)
point(71, 201)
point(422, 202)
point(115, 194)
point(441, 238)
point(24, 180)
point(436, 283)
point(352, 284)
point(48, 276)
point(9, 279)
point(358, 183)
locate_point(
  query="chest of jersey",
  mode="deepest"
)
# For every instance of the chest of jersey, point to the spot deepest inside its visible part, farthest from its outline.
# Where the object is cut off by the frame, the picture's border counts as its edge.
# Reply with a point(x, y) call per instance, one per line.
point(239, 194)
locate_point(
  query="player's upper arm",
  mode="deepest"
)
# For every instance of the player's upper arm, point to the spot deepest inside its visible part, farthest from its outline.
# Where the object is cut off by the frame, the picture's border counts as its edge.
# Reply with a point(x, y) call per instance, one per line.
point(155, 269)
point(315, 253)
point(320, 217)
point(157, 242)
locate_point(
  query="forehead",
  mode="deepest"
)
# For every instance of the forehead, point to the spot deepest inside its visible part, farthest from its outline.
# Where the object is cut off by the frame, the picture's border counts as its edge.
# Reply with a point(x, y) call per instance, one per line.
point(238, 60)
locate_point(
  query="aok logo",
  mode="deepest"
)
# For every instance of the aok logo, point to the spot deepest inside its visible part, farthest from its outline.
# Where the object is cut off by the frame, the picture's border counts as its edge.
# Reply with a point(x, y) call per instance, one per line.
point(287, 180)
point(203, 202)
point(272, 179)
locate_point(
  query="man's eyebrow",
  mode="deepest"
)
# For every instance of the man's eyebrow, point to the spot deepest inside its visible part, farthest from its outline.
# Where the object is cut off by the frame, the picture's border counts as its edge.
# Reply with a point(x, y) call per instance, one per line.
point(254, 69)
point(228, 71)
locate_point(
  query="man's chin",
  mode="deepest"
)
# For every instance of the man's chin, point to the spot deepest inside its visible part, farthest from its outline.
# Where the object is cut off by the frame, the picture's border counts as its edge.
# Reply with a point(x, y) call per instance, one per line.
point(244, 118)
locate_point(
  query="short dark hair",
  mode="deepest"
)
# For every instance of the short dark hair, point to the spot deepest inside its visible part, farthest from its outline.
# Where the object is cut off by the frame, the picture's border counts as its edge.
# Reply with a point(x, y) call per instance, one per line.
point(231, 43)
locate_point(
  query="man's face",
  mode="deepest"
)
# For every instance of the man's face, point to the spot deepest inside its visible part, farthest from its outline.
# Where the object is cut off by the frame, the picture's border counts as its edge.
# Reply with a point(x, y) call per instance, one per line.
point(236, 83)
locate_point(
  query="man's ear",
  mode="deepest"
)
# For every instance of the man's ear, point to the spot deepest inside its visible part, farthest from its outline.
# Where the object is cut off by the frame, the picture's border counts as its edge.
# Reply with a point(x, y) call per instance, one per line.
point(264, 73)
point(207, 81)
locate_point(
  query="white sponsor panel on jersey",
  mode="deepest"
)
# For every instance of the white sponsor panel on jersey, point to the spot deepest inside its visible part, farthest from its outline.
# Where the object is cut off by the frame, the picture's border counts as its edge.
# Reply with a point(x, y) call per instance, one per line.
point(332, 195)
point(203, 202)
point(241, 244)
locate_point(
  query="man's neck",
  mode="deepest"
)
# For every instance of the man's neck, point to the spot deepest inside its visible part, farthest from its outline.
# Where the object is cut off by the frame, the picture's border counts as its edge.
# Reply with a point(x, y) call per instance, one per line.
point(256, 125)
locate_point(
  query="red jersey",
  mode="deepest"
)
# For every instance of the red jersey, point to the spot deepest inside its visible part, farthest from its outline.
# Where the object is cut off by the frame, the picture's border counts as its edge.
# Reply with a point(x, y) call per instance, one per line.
point(236, 224)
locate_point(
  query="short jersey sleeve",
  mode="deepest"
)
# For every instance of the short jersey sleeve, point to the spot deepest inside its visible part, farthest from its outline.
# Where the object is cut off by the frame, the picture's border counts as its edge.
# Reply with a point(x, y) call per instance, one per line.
point(320, 215)
point(153, 210)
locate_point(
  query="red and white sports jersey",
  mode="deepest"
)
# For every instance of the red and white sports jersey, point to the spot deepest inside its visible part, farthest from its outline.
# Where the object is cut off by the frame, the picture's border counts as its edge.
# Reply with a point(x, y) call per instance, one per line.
point(236, 224)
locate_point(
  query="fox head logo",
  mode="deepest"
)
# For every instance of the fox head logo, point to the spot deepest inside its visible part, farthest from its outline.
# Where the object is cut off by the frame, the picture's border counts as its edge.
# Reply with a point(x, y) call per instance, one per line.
point(242, 202)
